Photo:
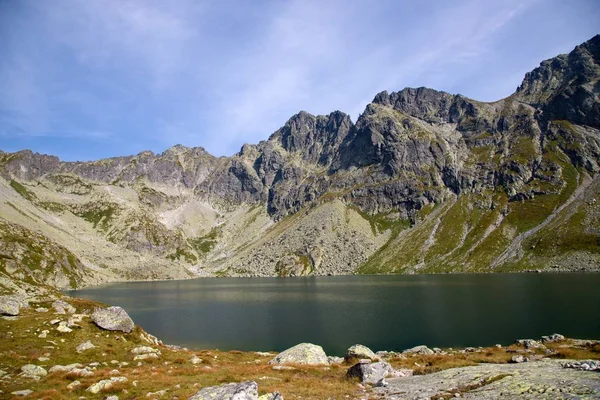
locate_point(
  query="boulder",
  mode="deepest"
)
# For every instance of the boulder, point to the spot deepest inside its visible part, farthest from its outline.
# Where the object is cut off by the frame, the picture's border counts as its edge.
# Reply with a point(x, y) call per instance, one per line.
point(105, 384)
point(113, 319)
point(370, 372)
point(555, 337)
point(228, 391)
point(422, 349)
point(303, 353)
point(33, 371)
point(65, 368)
point(358, 351)
point(9, 306)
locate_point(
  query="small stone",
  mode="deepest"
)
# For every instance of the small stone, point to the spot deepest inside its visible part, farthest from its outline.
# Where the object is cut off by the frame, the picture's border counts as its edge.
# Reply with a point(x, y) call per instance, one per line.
point(64, 328)
point(85, 346)
point(64, 368)
point(23, 393)
point(518, 359)
point(159, 393)
point(105, 384)
point(41, 309)
point(73, 385)
point(144, 350)
point(33, 371)
point(62, 307)
point(283, 368)
point(196, 360)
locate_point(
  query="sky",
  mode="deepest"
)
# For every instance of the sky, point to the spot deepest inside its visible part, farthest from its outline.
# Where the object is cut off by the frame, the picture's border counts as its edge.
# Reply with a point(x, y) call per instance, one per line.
point(89, 79)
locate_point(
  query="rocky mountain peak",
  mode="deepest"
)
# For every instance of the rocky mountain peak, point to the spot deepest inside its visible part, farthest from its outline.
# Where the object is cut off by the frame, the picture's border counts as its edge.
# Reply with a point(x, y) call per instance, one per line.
point(566, 87)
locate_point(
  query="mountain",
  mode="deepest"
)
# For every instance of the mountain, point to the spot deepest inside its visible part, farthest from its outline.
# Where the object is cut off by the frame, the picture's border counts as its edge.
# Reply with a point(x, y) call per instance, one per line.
point(423, 182)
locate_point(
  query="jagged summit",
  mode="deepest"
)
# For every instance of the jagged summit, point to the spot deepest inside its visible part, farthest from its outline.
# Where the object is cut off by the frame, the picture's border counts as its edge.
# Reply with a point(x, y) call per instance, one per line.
point(423, 181)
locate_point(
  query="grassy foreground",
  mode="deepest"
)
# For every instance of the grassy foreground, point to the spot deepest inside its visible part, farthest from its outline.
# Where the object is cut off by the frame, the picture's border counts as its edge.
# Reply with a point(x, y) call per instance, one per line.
point(174, 373)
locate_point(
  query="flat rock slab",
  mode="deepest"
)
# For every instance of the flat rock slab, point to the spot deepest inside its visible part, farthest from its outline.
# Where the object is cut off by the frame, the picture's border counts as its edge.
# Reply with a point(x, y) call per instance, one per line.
point(229, 391)
point(546, 379)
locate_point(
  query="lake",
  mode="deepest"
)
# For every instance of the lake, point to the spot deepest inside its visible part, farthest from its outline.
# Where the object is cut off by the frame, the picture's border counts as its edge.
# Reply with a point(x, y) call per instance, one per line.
point(382, 312)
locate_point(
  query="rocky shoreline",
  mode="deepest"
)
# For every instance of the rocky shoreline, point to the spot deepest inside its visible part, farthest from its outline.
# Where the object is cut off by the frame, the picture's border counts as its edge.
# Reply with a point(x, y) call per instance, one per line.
point(59, 347)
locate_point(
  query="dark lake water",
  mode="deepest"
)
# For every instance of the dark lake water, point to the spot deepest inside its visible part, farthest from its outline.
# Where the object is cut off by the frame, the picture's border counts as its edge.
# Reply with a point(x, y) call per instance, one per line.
point(382, 312)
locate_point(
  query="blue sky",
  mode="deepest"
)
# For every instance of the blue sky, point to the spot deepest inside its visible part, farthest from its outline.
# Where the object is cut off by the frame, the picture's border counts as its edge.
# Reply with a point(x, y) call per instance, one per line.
point(88, 79)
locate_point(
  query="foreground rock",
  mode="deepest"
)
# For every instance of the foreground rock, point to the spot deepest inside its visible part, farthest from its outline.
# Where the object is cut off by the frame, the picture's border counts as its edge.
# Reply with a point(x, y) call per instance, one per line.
point(358, 352)
point(113, 319)
point(370, 372)
point(543, 379)
point(303, 353)
point(229, 391)
point(9, 306)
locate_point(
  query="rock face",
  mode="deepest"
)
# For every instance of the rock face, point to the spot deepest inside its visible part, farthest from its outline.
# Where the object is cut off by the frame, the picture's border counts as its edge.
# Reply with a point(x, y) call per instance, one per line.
point(370, 372)
point(113, 319)
point(229, 391)
point(9, 306)
point(358, 351)
point(472, 186)
point(303, 353)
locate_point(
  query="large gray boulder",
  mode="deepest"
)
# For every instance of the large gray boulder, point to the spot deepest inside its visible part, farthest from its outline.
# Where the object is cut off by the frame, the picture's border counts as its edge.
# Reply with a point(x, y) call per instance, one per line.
point(9, 306)
point(303, 353)
point(113, 319)
point(358, 352)
point(370, 372)
point(229, 391)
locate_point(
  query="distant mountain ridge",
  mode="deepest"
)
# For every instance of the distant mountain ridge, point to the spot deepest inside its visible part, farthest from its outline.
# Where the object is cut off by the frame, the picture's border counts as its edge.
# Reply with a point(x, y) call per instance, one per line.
point(424, 181)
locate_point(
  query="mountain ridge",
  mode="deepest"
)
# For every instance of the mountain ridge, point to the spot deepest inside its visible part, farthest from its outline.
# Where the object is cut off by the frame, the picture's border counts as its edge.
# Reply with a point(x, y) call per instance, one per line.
point(423, 181)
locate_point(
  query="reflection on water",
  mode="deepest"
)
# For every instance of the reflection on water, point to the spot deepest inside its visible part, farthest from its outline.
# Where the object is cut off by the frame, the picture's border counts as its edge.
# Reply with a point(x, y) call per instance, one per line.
point(382, 312)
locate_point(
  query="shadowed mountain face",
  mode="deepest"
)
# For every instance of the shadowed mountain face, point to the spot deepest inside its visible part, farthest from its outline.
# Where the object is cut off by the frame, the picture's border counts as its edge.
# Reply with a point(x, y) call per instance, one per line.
point(424, 181)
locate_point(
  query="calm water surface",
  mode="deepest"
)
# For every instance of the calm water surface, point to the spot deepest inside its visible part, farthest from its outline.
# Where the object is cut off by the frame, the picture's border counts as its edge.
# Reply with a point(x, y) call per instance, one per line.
point(382, 312)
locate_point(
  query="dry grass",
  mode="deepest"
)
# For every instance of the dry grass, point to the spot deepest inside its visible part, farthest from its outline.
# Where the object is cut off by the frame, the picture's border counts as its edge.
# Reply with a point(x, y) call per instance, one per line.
point(21, 345)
